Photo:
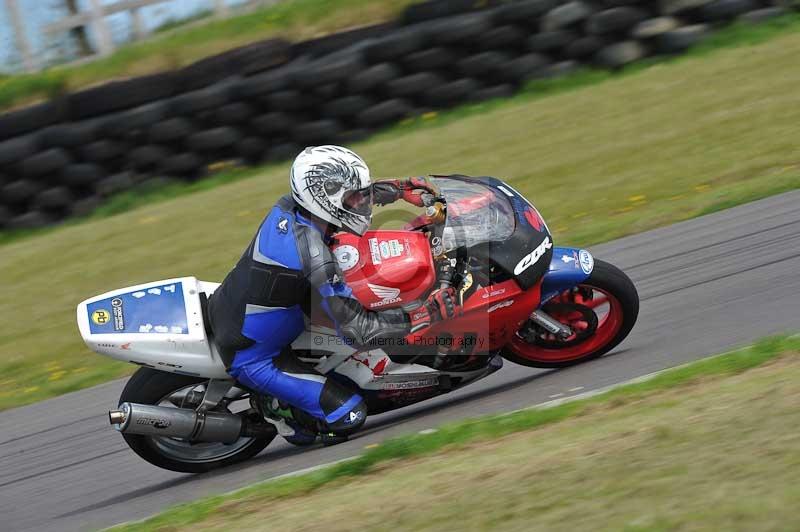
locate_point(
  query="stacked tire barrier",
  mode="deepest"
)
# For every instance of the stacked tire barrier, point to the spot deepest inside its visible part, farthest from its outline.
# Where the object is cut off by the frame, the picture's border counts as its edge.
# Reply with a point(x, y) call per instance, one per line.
point(268, 100)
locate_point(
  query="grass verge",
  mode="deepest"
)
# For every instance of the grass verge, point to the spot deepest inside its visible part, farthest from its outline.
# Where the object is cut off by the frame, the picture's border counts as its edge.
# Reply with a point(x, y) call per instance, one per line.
point(295, 20)
point(736, 35)
point(702, 445)
point(633, 153)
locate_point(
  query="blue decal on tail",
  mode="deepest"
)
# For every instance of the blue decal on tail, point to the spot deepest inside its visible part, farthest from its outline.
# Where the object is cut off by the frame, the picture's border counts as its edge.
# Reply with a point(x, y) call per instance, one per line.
point(157, 309)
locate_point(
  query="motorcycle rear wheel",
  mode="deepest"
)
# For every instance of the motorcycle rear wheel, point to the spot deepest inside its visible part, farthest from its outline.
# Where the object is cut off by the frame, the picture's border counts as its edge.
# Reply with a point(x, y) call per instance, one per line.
point(151, 387)
point(610, 294)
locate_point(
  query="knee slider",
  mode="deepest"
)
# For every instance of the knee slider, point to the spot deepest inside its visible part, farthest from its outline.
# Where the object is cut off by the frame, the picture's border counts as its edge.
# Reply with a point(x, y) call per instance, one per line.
point(351, 421)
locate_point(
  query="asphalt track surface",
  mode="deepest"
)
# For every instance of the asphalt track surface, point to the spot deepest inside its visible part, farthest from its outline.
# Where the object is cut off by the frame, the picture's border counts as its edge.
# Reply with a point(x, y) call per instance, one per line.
point(706, 285)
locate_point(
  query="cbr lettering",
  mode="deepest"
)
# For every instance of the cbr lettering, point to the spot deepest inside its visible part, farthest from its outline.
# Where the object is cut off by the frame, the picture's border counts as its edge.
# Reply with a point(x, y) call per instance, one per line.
point(533, 257)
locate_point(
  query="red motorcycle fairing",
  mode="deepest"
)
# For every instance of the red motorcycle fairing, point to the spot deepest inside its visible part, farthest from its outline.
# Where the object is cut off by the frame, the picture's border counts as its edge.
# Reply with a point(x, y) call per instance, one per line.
point(386, 269)
point(490, 318)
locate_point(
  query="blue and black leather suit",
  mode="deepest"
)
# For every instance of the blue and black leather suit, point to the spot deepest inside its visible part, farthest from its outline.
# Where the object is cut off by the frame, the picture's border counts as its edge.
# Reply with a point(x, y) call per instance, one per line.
point(259, 310)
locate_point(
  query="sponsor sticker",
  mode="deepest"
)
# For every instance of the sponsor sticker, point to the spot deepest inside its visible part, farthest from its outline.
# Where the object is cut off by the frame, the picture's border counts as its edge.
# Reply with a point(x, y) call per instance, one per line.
point(374, 251)
point(385, 251)
point(420, 383)
point(587, 261)
point(119, 318)
point(101, 316)
point(500, 305)
point(395, 248)
point(487, 294)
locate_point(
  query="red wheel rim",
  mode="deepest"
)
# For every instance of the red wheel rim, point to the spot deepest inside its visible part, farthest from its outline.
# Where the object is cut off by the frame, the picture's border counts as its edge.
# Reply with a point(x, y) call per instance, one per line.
point(609, 321)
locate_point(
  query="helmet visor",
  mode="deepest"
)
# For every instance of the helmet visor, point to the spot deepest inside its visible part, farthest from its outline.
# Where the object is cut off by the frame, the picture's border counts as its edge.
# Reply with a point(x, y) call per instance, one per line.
point(358, 201)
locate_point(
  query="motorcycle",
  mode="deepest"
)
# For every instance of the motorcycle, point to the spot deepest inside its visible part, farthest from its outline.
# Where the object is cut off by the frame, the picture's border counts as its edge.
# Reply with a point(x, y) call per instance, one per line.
point(521, 299)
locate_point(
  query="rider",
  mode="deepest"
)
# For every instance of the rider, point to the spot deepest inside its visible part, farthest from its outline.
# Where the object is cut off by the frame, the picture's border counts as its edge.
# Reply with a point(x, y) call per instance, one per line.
point(259, 309)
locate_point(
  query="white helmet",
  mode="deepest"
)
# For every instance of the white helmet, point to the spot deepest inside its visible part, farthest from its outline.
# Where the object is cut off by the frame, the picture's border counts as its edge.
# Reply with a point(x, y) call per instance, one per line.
point(333, 184)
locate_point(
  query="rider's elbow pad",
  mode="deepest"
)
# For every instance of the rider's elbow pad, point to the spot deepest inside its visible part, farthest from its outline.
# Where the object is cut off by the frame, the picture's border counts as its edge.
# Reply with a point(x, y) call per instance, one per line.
point(362, 326)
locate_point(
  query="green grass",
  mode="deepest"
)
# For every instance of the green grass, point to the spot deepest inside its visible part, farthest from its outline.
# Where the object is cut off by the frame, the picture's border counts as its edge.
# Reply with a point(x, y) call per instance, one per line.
point(629, 154)
point(295, 20)
point(656, 441)
point(735, 35)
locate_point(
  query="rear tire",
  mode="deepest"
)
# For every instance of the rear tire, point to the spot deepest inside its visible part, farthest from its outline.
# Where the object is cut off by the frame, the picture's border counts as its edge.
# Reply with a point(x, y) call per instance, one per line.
point(623, 312)
point(148, 386)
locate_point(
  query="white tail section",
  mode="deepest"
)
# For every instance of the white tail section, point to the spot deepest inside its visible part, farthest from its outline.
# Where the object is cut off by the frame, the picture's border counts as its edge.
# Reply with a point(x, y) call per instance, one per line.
point(158, 325)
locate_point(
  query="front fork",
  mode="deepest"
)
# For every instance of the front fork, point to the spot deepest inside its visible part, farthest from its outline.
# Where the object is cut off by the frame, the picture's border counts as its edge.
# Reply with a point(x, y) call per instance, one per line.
point(551, 325)
point(568, 268)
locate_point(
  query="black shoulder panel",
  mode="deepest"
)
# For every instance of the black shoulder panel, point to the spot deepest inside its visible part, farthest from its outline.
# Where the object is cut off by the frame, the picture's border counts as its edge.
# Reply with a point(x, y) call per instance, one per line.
point(319, 265)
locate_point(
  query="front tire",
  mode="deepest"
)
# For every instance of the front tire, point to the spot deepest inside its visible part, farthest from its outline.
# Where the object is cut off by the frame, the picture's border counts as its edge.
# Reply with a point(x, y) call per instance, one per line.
point(151, 387)
point(609, 294)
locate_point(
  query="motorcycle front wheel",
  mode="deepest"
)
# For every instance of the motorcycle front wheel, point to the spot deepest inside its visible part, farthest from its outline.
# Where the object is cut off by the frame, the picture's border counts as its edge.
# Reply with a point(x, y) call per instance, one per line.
point(151, 387)
point(601, 311)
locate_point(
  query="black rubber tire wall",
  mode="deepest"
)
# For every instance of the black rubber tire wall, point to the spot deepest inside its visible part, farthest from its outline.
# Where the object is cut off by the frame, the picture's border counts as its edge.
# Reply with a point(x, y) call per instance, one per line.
point(266, 101)
point(19, 148)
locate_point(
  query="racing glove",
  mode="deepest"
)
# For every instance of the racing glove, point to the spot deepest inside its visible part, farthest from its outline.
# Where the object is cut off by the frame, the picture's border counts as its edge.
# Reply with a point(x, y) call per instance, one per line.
point(440, 304)
point(411, 190)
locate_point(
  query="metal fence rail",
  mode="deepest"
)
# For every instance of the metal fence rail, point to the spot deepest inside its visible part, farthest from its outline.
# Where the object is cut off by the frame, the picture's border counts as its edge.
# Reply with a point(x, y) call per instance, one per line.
point(94, 19)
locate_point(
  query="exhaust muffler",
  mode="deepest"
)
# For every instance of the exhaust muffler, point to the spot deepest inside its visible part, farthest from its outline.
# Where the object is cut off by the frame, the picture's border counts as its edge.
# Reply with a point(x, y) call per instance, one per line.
point(192, 425)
